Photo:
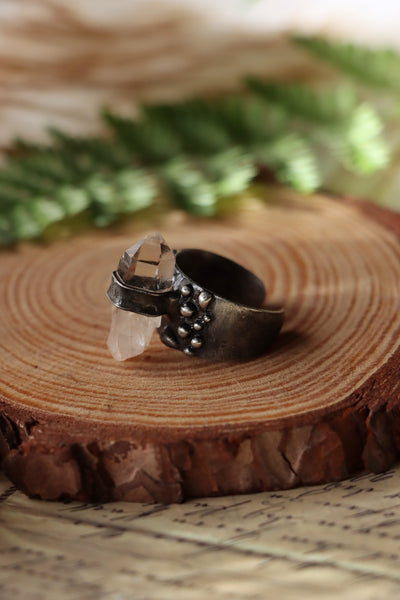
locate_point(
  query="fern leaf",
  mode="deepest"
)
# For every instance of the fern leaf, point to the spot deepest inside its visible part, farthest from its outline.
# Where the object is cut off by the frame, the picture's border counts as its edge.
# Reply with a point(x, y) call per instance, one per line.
point(379, 68)
point(363, 148)
point(148, 139)
point(328, 106)
point(196, 153)
point(293, 160)
point(248, 121)
point(195, 124)
point(190, 188)
point(352, 131)
point(230, 171)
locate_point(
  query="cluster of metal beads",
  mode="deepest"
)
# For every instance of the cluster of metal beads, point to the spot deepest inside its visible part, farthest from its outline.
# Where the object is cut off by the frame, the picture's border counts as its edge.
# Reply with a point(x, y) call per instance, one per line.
point(195, 318)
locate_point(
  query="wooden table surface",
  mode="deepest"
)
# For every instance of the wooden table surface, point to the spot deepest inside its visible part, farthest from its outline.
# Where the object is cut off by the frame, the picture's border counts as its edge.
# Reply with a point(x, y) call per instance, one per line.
point(337, 540)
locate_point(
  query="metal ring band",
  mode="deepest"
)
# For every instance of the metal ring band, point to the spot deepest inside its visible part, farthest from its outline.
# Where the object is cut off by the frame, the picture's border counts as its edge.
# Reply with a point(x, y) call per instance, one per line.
point(213, 310)
point(217, 312)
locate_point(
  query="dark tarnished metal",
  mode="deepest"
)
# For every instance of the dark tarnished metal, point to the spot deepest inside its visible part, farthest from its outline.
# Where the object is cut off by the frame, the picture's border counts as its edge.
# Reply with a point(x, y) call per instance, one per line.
point(137, 300)
point(213, 310)
point(221, 318)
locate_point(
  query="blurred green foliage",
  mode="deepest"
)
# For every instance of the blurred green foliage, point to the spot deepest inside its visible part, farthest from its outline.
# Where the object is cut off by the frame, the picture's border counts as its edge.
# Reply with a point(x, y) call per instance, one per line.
point(199, 153)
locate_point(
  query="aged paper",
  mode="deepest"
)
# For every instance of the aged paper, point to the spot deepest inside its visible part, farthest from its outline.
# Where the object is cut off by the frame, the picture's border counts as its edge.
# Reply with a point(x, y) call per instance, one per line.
point(340, 540)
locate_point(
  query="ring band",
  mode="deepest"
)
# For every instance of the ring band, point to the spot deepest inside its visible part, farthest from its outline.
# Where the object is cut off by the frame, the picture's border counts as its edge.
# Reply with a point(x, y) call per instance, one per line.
point(212, 310)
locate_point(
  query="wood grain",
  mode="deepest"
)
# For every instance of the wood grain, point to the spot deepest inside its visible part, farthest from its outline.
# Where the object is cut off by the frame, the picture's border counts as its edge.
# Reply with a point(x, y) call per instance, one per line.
point(162, 427)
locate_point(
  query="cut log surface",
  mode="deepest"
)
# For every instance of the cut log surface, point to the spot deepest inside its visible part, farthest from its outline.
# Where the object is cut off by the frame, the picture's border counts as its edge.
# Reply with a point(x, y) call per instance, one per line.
point(320, 405)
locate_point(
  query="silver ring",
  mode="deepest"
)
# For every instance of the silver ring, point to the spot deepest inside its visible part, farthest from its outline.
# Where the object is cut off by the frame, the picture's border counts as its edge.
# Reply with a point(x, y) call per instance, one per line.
point(210, 306)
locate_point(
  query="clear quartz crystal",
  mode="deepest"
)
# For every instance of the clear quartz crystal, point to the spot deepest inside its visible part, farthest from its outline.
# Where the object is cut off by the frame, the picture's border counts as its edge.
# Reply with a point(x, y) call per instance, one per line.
point(149, 264)
point(130, 334)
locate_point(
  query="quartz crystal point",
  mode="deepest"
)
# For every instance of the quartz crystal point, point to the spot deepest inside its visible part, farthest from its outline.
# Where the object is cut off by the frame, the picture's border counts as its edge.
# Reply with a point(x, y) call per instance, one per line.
point(150, 265)
point(130, 333)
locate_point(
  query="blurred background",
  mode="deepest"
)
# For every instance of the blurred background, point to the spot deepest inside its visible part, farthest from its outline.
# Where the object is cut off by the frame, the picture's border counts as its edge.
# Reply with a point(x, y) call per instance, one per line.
point(60, 62)
point(331, 77)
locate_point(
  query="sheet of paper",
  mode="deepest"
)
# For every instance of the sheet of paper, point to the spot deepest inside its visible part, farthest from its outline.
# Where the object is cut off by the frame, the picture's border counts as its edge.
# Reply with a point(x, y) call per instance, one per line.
point(340, 540)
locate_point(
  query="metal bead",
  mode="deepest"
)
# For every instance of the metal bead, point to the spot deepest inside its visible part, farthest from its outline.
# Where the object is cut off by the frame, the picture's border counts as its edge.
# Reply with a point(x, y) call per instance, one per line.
point(198, 325)
point(188, 350)
point(196, 342)
point(207, 318)
point(184, 330)
point(186, 289)
point(187, 310)
point(204, 299)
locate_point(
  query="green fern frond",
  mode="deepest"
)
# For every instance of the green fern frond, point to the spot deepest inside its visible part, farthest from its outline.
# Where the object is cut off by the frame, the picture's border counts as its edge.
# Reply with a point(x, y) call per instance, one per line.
point(196, 153)
point(379, 68)
point(230, 171)
point(248, 121)
point(352, 131)
point(326, 106)
point(146, 139)
point(360, 146)
point(190, 188)
point(194, 123)
point(293, 161)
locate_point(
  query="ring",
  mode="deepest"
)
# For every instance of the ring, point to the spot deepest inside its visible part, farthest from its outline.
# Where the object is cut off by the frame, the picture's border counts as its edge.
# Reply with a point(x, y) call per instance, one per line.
point(202, 304)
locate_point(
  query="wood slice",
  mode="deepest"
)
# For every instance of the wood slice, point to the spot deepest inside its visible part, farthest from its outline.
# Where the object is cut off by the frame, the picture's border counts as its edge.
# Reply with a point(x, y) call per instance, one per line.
point(323, 403)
